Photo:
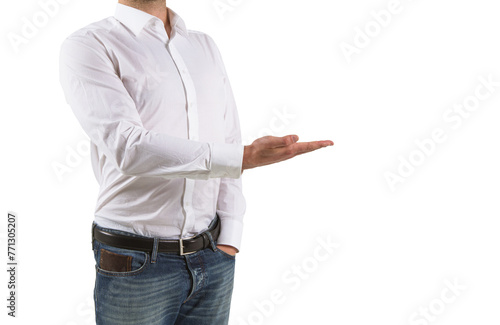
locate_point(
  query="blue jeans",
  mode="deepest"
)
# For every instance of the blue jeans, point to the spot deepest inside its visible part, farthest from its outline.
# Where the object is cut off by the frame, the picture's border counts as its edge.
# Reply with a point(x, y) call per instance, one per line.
point(138, 288)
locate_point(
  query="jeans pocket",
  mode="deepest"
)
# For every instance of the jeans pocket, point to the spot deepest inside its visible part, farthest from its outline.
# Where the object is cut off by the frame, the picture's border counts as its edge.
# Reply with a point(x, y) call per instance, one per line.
point(113, 261)
point(224, 254)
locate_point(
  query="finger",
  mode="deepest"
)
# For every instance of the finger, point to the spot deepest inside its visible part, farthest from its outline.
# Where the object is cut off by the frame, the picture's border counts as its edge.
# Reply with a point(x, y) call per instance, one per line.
point(277, 142)
point(284, 153)
point(304, 147)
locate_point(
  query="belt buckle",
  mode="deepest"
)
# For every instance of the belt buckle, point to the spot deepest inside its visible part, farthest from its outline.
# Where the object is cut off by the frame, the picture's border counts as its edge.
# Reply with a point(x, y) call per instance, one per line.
point(181, 247)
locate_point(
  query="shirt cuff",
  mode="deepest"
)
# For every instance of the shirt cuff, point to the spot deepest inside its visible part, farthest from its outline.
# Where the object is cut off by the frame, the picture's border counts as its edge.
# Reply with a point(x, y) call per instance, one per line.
point(231, 231)
point(226, 160)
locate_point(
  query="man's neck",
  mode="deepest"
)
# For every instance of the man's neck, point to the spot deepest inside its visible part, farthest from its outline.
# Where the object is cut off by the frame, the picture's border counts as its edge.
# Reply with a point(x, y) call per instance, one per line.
point(157, 8)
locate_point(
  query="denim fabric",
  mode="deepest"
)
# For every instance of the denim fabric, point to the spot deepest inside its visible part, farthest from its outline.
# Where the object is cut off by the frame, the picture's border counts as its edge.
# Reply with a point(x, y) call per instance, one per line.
point(139, 288)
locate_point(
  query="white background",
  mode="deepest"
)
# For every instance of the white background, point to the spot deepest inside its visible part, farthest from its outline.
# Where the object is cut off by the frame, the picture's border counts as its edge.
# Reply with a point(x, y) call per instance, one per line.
point(398, 247)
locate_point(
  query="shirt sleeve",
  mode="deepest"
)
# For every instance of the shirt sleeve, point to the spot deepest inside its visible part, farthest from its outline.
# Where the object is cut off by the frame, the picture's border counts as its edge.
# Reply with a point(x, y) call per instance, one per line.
point(231, 204)
point(110, 118)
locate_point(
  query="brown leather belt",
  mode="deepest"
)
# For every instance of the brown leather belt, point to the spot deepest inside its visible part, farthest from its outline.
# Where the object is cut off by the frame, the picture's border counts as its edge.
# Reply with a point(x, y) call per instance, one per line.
point(182, 246)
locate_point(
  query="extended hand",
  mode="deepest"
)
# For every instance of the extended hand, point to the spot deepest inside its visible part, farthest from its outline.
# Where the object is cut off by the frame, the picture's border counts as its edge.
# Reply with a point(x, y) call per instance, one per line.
point(269, 150)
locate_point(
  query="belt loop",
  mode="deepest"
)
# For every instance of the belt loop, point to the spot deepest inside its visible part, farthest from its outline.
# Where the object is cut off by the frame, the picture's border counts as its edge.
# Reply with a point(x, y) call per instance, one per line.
point(154, 253)
point(181, 247)
point(206, 240)
point(212, 242)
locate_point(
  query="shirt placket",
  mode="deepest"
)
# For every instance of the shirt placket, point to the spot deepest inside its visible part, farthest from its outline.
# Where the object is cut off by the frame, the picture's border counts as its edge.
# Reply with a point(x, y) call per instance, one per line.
point(193, 133)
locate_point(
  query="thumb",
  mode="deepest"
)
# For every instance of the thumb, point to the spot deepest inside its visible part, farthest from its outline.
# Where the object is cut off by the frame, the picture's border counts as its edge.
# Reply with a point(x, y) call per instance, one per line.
point(284, 141)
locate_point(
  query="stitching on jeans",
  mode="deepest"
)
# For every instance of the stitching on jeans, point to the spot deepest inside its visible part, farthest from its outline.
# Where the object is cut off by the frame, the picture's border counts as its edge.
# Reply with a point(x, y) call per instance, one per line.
point(197, 291)
point(191, 275)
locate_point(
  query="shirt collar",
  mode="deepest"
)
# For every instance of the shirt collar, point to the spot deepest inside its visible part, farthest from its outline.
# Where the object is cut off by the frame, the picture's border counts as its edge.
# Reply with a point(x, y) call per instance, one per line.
point(136, 19)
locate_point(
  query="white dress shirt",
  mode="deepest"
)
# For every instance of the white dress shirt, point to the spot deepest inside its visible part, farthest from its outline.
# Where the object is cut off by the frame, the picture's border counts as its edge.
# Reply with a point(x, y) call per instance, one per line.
point(165, 136)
